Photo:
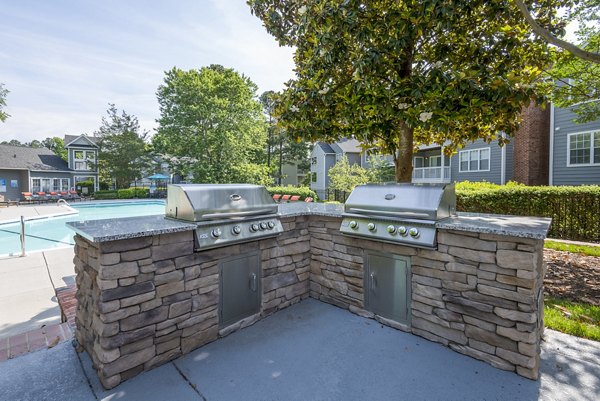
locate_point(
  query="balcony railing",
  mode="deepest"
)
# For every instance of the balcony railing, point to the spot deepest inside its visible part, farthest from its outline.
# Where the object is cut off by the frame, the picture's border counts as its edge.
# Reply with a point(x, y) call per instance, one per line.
point(431, 174)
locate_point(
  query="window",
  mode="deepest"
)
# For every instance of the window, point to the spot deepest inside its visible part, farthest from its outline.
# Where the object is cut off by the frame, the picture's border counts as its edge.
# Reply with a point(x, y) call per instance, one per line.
point(35, 185)
point(474, 160)
point(49, 184)
point(313, 160)
point(419, 162)
point(583, 149)
point(435, 161)
point(83, 159)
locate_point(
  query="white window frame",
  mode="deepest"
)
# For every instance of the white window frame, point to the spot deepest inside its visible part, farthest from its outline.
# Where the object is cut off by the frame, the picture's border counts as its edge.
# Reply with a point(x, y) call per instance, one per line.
point(592, 154)
point(61, 181)
point(415, 161)
point(471, 151)
point(89, 156)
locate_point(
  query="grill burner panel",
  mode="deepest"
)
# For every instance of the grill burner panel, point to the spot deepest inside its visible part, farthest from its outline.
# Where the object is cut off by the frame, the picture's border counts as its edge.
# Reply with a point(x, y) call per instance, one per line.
point(221, 233)
point(398, 213)
point(225, 214)
point(424, 236)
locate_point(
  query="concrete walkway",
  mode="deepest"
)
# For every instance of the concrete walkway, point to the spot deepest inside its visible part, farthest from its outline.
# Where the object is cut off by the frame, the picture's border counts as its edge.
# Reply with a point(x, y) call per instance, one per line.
point(27, 289)
point(314, 351)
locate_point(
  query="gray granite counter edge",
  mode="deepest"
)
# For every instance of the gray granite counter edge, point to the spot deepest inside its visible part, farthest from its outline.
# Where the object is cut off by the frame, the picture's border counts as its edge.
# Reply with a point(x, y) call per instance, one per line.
point(89, 230)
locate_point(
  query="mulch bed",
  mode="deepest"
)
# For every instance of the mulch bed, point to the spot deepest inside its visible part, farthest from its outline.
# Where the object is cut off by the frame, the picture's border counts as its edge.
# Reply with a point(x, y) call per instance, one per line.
point(572, 276)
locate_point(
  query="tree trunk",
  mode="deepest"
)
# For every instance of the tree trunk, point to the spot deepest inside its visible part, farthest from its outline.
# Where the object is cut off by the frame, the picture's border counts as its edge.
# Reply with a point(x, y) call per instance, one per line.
point(403, 157)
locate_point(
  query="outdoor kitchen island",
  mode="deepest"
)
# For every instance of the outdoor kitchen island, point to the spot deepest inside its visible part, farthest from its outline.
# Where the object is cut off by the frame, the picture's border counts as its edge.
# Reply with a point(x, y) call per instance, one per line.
point(146, 296)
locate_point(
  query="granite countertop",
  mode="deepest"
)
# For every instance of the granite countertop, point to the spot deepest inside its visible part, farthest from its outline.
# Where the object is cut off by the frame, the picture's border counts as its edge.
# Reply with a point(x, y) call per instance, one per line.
point(516, 226)
point(292, 209)
point(128, 227)
point(143, 226)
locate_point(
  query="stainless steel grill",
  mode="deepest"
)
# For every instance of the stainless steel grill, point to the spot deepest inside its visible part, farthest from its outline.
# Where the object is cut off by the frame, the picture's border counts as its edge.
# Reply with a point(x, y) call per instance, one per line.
point(224, 213)
point(398, 213)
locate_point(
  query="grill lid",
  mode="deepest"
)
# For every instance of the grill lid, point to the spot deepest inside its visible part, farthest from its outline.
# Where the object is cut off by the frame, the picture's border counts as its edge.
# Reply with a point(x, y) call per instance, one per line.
point(200, 202)
point(408, 201)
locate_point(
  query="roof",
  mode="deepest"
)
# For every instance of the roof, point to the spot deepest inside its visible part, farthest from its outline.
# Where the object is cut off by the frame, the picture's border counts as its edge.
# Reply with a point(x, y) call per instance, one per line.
point(36, 159)
point(349, 146)
point(72, 138)
point(326, 147)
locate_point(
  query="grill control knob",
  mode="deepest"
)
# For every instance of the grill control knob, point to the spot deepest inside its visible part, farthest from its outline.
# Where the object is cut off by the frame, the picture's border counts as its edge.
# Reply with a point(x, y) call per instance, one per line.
point(254, 228)
point(271, 225)
point(402, 230)
point(391, 229)
point(263, 226)
point(216, 233)
point(236, 230)
point(414, 232)
point(353, 224)
point(371, 226)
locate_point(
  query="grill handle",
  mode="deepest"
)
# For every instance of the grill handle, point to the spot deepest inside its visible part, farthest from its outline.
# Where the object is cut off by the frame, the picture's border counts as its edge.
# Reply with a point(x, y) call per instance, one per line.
point(236, 214)
point(253, 282)
point(373, 282)
point(386, 213)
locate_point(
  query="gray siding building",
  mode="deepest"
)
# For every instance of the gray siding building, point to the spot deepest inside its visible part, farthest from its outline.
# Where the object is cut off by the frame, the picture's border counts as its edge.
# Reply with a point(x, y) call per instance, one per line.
point(24, 169)
point(574, 149)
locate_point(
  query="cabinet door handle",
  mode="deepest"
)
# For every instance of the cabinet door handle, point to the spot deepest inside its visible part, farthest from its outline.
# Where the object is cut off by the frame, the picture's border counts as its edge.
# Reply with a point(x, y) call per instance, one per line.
point(373, 282)
point(253, 282)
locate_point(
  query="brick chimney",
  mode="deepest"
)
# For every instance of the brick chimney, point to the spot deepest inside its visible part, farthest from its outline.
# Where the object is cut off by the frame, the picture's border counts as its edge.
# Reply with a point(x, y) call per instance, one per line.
point(532, 146)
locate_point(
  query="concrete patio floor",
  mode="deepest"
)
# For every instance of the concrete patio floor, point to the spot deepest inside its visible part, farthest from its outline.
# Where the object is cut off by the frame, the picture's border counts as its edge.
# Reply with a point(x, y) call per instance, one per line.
point(27, 289)
point(314, 351)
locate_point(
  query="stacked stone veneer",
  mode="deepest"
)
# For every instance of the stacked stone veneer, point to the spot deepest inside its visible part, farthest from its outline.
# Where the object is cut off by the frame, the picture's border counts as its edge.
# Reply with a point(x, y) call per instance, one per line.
point(479, 294)
point(145, 301)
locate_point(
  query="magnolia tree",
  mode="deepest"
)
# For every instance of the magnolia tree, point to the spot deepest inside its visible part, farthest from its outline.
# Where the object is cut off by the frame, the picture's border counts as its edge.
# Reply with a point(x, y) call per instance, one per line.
point(396, 74)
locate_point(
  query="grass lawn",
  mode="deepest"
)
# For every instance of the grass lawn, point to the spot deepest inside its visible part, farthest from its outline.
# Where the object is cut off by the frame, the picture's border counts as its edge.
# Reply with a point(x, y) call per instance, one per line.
point(584, 249)
point(577, 319)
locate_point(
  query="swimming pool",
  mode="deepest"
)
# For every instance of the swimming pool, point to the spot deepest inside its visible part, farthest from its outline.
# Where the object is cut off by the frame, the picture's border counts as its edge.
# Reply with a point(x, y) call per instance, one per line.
point(51, 232)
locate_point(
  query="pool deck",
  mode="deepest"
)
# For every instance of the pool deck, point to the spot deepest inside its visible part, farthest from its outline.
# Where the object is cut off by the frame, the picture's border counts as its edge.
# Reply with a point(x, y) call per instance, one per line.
point(13, 214)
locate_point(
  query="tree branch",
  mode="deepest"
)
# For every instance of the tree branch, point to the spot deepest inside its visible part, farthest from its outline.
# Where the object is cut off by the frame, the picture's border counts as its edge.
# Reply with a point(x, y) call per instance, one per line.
point(550, 38)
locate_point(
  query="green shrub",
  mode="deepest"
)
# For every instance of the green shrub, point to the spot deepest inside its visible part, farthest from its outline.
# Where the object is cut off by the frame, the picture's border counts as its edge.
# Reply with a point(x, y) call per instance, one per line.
point(130, 193)
point(106, 194)
point(303, 192)
point(85, 184)
point(125, 193)
point(574, 210)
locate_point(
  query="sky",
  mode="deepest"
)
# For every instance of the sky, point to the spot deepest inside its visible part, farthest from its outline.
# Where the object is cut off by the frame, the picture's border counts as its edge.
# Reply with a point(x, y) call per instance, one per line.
point(65, 61)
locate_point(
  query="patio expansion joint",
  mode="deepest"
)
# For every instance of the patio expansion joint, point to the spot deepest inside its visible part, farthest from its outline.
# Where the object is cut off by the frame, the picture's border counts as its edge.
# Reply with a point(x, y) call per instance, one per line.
point(87, 378)
point(192, 385)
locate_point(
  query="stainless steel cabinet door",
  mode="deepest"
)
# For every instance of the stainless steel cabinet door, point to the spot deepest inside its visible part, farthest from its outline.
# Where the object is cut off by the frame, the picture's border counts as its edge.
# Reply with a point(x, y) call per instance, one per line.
point(239, 287)
point(387, 286)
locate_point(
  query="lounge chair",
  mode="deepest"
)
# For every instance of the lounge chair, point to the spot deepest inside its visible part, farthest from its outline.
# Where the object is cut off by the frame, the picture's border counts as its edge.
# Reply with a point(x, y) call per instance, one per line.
point(73, 195)
point(53, 195)
point(286, 198)
point(276, 197)
point(27, 197)
point(64, 195)
point(308, 199)
point(295, 198)
point(42, 197)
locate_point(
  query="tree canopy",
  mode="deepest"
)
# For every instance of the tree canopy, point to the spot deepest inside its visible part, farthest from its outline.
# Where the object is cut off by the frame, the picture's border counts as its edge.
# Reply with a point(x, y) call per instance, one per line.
point(575, 80)
point(396, 74)
point(212, 118)
point(3, 93)
point(123, 155)
point(281, 148)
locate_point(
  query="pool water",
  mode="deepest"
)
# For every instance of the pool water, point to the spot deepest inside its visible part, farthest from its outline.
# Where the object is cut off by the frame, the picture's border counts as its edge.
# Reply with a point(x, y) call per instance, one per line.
point(51, 232)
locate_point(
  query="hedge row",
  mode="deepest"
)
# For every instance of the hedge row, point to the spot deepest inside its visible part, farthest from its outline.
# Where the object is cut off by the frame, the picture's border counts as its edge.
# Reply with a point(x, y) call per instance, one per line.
point(303, 192)
point(128, 193)
point(575, 211)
